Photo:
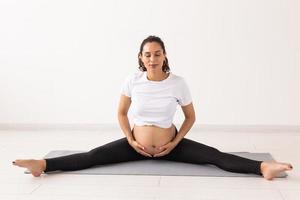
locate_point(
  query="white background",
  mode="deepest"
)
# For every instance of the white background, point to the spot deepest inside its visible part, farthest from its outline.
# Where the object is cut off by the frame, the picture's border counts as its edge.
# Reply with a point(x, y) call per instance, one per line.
point(63, 61)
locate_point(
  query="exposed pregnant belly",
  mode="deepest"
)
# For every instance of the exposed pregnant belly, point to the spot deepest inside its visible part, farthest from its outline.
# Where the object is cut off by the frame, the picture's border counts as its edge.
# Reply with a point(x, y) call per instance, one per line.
point(152, 137)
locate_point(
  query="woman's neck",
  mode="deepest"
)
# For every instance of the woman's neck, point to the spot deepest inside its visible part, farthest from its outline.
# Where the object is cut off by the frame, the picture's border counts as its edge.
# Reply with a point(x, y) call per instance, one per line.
point(157, 76)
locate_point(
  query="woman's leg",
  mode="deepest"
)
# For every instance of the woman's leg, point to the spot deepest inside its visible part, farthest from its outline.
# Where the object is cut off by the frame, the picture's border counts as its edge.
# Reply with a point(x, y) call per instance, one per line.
point(193, 152)
point(113, 152)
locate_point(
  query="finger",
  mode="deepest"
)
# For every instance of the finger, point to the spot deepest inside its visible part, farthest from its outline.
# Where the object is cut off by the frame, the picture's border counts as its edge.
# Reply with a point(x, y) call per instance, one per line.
point(140, 146)
point(159, 148)
point(145, 153)
point(148, 154)
point(163, 146)
point(140, 151)
point(160, 154)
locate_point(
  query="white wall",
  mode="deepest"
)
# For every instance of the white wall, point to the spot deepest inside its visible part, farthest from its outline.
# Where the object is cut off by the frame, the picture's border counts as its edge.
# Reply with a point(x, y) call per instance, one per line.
point(63, 61)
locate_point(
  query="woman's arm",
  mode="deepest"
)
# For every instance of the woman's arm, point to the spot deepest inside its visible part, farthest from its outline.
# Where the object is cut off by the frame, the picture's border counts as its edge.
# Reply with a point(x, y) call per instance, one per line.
point(190, 118)
point(188, 122)
point(125, 126)
point(124, 105)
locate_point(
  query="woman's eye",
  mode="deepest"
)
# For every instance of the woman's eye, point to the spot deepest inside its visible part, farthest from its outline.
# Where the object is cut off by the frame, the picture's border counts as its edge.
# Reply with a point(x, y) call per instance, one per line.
point(156, 55)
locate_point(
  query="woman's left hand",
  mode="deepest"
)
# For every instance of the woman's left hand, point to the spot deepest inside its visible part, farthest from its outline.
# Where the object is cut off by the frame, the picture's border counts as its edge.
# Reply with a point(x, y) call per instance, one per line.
point(166, 149)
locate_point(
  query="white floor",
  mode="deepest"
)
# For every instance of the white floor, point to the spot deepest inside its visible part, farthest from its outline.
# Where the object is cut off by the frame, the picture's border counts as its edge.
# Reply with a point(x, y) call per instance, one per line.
point(14, 184)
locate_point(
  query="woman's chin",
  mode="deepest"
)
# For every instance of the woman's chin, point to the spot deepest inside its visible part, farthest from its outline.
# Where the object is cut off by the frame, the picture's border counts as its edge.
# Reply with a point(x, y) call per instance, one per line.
point(154, 68)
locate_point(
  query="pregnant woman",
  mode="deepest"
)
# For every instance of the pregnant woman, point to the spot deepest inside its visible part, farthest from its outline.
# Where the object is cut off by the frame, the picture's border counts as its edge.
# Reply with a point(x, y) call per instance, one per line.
point(153, 94)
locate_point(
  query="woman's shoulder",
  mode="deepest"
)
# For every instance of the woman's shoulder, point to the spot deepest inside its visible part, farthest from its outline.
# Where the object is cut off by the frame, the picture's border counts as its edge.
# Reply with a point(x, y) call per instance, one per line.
point(138, 74)
point(134, 76)
point(177, 78)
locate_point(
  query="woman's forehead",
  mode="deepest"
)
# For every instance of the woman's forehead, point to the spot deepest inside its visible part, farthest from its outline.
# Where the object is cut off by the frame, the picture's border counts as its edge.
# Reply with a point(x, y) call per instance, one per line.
point(152, 47)
point(157, 51)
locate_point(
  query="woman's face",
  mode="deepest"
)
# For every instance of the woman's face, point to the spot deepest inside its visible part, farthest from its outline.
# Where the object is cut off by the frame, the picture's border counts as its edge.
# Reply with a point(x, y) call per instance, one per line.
point(152, 56)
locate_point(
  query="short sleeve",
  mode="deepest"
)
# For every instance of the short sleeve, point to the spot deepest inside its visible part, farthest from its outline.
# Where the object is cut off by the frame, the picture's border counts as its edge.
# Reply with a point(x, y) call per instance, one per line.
point(184, 97)
point(127, 86)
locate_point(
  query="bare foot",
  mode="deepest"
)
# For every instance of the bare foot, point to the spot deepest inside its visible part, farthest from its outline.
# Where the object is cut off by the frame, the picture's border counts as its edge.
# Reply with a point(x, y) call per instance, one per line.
point(270, 169)
point(36, 167)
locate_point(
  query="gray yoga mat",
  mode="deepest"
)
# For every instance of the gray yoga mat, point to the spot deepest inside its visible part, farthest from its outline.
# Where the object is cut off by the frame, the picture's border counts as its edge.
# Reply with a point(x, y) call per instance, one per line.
point(161, 167)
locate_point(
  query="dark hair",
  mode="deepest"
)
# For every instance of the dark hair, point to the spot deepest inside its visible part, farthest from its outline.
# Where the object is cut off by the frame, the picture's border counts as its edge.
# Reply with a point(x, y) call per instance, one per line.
point(152, 38)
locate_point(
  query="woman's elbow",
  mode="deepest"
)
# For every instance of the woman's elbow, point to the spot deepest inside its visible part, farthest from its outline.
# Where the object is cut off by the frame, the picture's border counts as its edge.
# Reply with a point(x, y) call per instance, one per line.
point(122, 114)
point(191, 118)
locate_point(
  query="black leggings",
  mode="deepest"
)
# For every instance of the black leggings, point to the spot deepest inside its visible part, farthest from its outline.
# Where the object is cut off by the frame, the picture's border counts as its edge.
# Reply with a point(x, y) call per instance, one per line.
point(187, 150)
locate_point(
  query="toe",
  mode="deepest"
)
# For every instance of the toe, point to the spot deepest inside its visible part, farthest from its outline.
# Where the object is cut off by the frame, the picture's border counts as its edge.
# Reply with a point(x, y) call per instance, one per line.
point(16, 163)
point(287, 166)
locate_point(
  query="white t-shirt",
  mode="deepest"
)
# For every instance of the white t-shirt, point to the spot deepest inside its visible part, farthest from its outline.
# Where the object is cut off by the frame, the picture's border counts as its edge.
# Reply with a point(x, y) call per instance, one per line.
point(155, 102)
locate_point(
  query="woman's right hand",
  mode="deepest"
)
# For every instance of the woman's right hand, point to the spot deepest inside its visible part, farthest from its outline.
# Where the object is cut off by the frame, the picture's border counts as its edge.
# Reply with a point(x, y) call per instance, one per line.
point(139, 148)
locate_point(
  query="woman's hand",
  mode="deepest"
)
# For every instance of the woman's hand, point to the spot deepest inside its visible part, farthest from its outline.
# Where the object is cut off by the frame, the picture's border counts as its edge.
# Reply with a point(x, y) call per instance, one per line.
point(166, 149)
point(139, 148)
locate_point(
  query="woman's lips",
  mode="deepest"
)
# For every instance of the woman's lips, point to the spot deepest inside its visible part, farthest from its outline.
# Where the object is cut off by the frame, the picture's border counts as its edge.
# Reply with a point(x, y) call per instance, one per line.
point(153, 65)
